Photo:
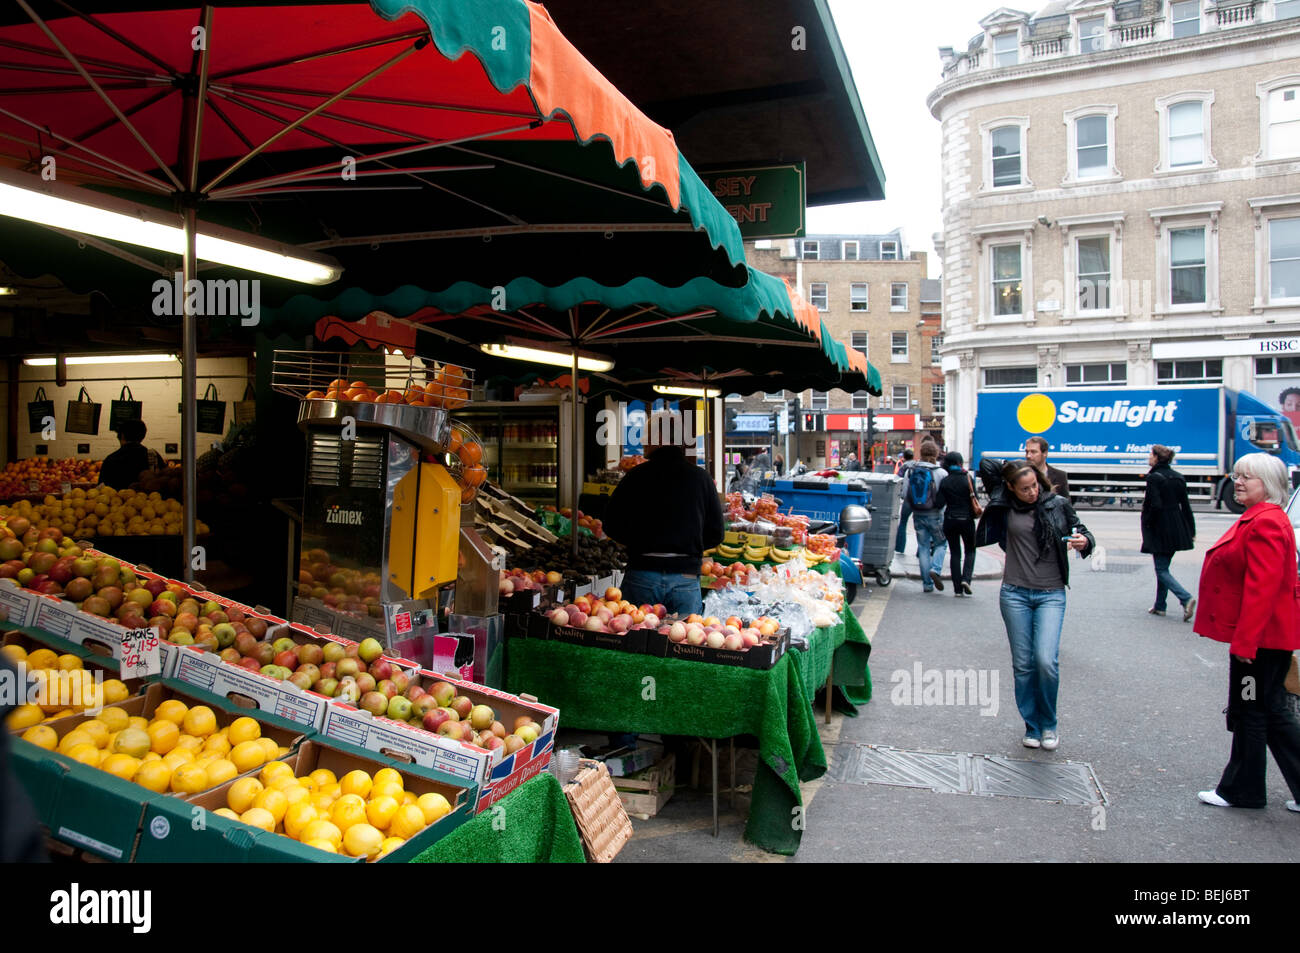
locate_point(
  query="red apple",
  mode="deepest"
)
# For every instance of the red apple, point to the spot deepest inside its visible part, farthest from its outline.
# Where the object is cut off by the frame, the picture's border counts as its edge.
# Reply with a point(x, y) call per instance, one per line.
point(434, 719)
point(288, 659)
point(382, 669)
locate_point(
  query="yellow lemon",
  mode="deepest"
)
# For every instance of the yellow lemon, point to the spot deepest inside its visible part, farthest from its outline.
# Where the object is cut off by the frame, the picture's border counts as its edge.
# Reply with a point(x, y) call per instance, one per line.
point(220, 771)
point(407, 822)
point(434, 806)
point(115, 718)
point(43, 736)
point(67, 662)
point(241, 794)
point(308, 782)
point(77, 737)
point(356, 782)
point(385, 775)
point(123, 766)
point(333, 790)
point(269, 746)
point(227, 813)
point(322, 800)
point(244, 729)
point(348, 810)
point(87, 753)
point(380, 811)
point(200, 721)
point(322, 830)
point(132, 741)
point(154, 776)
point(392, 789)
point(298, 817)
point(275, 770)
point(389, 845)
point(163, 735)
point(115, 691)
point(218, 745)
point(323, 777)
point(247, 756)
point(408, 797)
point(273, 802)
point(296, 794)
point(14, 653)
point(259, 817)
point(42, 658)
point(173, 709)
point(190, 779)
point(362, 840)
point(322, 845)
point(104, 755)
point(151, 756)
point(281, 751)
point(177, 757)
point(97, 730)
point(138, 721)
point(190, 743)
point(24, 716)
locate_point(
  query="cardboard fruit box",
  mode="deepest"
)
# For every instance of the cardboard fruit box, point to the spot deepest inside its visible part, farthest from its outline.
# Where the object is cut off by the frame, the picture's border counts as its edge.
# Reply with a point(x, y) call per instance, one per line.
point(762, 656)
point(98, 811)
point(32, 639)
point(494, 773)
point(188, 830)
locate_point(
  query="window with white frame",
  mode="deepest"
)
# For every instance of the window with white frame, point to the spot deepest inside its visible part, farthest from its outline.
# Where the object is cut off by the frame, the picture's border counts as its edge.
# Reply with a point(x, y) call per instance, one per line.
point(1011, 376)
point(811, 250)
point(1006, 155)
point(898, 296)
point(1090, 134)
point(1271, 366)
point(858, 296)
point(819, 400)
point(1092, 263)
point(861, 400)
point(776, 397)
point(1185, 131)
point(1006, 49)
point(1285, 9)
point(902, 397)
point(858, 341)
point(1195, 371)
point(1092, 34)
point(1186, 18)
point(1088, 375)
point(733, 398)
point(1283, 258)
point(819, 295)
point(1006, 275)
point(898, 347)
point(936, 349)
point(850, 251)
point(938, 399)
point(888, 250)
point(1279, 118)
point(1187, 257)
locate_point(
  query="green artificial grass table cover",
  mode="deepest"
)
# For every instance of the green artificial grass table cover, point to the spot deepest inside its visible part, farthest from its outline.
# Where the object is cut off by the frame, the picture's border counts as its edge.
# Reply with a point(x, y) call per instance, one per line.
point(530, 825)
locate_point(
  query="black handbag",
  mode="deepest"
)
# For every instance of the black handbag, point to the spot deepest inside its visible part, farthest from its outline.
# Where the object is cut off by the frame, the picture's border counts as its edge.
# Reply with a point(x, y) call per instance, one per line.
point(125, 408)
point(83, 415)
point(38, 411)
point(211, 413)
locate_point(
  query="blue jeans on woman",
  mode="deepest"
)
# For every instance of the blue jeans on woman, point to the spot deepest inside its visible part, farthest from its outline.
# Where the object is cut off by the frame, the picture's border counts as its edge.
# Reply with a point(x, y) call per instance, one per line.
point(679, 592)
point(1033, 618)
point(931, 546)
point(1166, 583)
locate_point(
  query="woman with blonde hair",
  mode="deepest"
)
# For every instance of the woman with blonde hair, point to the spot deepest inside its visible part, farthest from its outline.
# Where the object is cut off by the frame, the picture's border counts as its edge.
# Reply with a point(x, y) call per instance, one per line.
point(1248, 596)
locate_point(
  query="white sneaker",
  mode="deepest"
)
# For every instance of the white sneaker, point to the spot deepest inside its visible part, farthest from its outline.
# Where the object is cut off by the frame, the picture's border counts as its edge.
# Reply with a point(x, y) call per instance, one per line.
point(1212, 797)
point(1029, 741)
point(1050, 740)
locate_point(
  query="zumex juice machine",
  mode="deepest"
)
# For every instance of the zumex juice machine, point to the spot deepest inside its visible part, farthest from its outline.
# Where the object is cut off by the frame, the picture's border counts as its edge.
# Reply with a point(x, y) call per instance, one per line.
point(388, 502)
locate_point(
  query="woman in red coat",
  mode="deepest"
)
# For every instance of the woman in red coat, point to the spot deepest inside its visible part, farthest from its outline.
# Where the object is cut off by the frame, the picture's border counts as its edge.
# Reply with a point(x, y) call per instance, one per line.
point(1248, 598)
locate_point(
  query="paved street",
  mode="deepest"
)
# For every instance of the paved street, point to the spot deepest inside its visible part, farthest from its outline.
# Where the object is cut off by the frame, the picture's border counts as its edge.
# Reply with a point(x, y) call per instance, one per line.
point(1141, 700)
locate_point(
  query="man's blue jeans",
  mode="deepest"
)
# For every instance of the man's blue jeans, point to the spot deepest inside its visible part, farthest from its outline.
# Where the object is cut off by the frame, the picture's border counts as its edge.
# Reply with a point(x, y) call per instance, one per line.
point(931, 544)
point(679, 592)
point(1033, 618)
point(1166, 583)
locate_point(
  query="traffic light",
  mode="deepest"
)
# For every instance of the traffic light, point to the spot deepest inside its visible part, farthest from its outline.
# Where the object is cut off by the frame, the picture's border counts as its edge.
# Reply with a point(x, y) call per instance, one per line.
point(871, 427)
point(731, 420)
point(810, 422)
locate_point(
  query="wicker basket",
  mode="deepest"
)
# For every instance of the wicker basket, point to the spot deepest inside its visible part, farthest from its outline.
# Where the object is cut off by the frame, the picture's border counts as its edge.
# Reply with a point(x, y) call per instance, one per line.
point(602, 822)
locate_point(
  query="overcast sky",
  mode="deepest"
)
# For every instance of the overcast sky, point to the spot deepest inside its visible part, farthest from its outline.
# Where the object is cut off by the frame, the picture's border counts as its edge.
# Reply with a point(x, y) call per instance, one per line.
point(893, 50)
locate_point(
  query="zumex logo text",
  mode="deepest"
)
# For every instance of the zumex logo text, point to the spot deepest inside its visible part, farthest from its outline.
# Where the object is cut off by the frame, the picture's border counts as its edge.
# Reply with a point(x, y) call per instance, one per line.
point(1037, 413)
point(74, 906)
point(346, 517)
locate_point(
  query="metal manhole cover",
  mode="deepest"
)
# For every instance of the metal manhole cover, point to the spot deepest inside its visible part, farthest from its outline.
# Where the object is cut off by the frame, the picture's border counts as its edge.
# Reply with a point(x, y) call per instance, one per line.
point(1068, 782)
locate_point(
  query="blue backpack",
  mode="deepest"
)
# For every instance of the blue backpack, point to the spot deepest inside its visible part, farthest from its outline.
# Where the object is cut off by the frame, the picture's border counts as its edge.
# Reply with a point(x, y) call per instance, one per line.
point(922, 487)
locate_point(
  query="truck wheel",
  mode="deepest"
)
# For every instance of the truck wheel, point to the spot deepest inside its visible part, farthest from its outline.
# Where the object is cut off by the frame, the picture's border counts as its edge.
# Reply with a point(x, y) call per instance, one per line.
point(850, 592)
point(884, 577)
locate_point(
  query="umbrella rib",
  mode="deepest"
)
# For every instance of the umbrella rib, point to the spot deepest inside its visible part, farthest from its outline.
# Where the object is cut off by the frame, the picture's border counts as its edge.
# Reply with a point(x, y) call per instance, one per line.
point(383, 101)
point(321, 54)
point(120, 68)
point(570, 178)
point(536, 323)
point(116, 252)
point(628, 316)
point(305, 117)
point(46, 148)
point(654, 324)
point(596, 321)
point(230, 123)
point(143, 104)
point(41, 24)
point(127, 172)
point(103, 28)
point(200, 59)
point(492, 231)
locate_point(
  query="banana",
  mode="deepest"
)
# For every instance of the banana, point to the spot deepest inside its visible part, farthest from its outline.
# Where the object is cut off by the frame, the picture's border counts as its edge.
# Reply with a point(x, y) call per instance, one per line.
point(729, 552)
point(781, 556)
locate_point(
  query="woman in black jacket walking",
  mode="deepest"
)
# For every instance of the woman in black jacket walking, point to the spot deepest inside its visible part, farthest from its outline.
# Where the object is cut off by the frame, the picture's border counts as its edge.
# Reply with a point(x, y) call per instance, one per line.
point(957, 497)
point(1168, 527)
point(1037, 529)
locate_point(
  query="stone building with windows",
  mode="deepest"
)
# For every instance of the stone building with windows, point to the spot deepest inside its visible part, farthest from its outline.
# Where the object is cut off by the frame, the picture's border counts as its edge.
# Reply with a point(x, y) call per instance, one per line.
point(1121, 199)
point(874, 296)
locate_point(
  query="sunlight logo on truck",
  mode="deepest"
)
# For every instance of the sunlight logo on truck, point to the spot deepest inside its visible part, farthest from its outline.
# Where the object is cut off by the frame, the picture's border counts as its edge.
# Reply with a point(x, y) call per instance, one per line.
point(1037, 412)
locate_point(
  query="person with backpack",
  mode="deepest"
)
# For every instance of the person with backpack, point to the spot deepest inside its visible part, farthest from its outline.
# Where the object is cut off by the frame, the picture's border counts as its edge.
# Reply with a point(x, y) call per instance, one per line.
point(900, 469)
point(1168, 527)
point(960, 509)
point(922, 490)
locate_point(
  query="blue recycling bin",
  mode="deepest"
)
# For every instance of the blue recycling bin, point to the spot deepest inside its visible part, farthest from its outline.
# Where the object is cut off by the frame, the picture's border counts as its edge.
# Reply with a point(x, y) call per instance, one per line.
point(821, 500)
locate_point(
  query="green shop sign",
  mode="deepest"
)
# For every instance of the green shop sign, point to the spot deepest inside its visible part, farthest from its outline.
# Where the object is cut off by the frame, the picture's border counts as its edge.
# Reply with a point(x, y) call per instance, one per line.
point(766, 201)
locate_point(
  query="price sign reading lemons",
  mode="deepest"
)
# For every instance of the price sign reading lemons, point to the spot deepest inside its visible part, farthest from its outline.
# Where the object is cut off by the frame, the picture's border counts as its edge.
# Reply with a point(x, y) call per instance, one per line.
point(141, 653)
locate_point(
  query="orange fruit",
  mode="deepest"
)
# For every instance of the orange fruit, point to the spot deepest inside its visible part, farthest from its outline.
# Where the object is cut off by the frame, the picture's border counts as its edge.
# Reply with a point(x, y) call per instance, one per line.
point(454, 441)
point(470, 453)
point(474, 476)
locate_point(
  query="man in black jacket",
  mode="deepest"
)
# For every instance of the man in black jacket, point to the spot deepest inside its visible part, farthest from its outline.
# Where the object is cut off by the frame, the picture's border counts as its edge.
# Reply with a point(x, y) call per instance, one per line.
point(666, 512)
point(123, 466)
point(1036, 454)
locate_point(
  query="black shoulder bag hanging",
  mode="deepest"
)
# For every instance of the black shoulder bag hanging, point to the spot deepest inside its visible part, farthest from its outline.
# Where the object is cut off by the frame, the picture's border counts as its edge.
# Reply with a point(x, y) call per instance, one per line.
point(83, 415)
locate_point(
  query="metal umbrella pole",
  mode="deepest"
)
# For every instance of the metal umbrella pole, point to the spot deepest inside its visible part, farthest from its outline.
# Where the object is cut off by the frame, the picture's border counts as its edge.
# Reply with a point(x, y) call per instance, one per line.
point(573, 441)
point(189, 408)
